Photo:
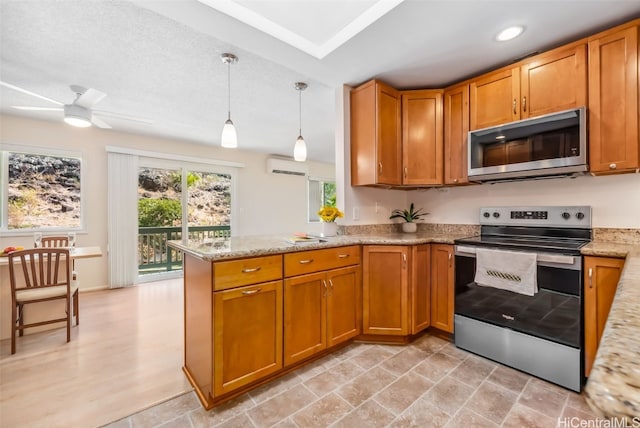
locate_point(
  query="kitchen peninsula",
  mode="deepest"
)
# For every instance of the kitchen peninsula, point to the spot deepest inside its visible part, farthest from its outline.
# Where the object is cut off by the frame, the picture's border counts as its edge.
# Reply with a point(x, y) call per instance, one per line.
point(610, 389)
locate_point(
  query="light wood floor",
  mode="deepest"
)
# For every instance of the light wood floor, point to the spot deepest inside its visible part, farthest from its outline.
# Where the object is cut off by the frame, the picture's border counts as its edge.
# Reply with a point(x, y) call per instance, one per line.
point(126, 355)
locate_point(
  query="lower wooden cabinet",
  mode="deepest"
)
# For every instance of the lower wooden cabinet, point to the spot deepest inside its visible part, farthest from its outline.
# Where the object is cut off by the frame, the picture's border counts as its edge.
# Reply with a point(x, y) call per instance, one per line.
point(396, 289)
point(442, 287)
point(601, 276)
point(385, 290)
point(247, 326)
point(321, 310)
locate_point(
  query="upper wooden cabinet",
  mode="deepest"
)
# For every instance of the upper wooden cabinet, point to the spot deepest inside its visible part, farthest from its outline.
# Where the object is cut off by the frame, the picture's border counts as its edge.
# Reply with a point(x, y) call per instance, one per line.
point(376, 146)
point(601, 276)
point(613, 101)
point(549, 82)
point(456, 131)
point(422, 137)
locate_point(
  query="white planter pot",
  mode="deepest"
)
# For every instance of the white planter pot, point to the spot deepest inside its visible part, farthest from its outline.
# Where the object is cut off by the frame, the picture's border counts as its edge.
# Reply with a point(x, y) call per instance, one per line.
point(329, 229)
point(409, 227)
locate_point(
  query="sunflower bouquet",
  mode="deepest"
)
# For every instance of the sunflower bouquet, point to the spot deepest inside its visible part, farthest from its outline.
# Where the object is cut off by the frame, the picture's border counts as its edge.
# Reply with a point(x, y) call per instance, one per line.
point(329, 214)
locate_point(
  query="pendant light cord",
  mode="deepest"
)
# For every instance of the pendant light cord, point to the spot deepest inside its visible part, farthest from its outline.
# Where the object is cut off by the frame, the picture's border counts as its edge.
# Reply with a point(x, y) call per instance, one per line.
point(300, 111)
point(229, 87)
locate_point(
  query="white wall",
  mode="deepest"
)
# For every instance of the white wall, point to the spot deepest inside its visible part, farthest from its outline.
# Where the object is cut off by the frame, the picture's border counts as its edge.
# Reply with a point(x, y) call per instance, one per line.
point(615, 199)
point(266, 203)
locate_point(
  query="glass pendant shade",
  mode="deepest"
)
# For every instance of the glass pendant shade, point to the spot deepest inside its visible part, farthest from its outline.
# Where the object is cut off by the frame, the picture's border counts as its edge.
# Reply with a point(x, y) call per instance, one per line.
point(300, 150)
point(229, 137)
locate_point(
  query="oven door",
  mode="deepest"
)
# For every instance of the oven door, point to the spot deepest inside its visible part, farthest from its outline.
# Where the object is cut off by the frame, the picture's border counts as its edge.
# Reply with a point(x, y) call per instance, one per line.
point(554, 313)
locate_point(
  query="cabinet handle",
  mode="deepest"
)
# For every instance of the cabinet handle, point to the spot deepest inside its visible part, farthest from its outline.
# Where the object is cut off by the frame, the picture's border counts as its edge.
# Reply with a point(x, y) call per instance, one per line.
point(590, 277)
point(343, 256)
point(613, 166)
point(247, 292)
point(324, 283)
point(405, 172)
point(250, 270)
point(515, 103)
point(455, 180)
point(305, 262)
point(450, 258)
point(404, 261)
point(331, 285)
point(380, 167)
point(524, 103)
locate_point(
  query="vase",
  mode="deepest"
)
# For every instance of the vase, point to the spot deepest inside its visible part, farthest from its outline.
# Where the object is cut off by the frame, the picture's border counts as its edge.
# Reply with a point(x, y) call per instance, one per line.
point(329, 228)
point(409, 227)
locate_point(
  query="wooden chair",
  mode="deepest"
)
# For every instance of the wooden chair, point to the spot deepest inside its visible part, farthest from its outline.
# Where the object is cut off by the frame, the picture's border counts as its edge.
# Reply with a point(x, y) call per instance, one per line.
point(55, 241)
point(47, 276)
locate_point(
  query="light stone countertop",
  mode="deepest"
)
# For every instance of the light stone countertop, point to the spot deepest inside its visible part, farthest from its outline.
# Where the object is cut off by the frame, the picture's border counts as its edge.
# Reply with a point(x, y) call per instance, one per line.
point(613, 388)
point(255, 246)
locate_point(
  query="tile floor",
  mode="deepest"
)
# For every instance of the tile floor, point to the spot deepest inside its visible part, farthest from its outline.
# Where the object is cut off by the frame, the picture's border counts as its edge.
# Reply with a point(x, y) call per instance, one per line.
point(429, 383)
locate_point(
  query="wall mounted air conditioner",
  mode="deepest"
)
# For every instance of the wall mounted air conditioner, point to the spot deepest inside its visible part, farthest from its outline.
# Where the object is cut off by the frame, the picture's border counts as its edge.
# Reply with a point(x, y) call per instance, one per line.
point(284, 166)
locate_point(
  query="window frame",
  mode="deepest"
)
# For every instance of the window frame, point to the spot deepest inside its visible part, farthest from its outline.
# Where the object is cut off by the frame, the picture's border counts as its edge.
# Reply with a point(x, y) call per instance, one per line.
point(5, 149)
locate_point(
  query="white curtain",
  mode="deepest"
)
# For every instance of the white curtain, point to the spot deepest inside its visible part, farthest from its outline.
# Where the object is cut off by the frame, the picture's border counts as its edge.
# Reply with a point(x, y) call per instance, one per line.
point(122, 190)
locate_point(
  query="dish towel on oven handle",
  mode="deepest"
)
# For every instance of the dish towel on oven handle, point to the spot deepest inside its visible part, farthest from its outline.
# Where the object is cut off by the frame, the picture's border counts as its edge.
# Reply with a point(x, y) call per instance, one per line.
point(507, 270)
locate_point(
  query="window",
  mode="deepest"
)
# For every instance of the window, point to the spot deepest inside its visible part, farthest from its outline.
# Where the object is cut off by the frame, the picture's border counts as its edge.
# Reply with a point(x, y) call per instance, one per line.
point(321, 192)
point(42, 191)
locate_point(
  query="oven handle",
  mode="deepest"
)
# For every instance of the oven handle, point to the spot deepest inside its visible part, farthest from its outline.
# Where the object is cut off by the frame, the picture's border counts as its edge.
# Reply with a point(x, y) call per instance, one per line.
point(543, 258)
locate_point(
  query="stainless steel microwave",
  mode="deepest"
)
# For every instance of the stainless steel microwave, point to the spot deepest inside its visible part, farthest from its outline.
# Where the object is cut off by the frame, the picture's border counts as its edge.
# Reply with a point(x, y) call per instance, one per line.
point(543, 146)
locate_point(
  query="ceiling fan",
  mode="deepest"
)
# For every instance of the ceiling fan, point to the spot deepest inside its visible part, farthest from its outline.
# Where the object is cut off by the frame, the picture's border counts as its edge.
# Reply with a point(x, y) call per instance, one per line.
point(80, 112)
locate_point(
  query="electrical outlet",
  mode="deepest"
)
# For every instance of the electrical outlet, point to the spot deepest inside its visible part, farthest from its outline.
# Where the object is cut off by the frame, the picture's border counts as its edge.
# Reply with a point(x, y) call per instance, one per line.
point(356, 213)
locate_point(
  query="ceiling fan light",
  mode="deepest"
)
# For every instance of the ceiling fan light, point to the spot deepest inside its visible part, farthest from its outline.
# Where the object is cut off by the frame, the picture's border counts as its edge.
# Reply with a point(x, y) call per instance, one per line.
point(77, 116)
point(300, 150)
point(229, 136)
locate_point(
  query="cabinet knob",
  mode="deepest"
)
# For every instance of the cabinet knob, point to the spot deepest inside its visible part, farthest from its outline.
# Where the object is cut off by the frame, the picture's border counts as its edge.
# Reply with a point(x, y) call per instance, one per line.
point(613, 166)
point(524, 103)
point(250, 270)
point(305, 262)
point(247, 292)
point(455, 180)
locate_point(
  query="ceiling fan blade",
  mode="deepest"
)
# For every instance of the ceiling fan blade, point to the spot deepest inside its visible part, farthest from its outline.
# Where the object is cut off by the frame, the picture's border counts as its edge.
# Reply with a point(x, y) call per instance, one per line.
point(122, 116)
point(34, 108)
point(100, 123)
point(89, 98)
point(33, 94)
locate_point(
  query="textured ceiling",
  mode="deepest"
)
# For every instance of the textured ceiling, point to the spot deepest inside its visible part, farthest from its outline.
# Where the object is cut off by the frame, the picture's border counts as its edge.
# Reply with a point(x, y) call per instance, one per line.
point(160, 59)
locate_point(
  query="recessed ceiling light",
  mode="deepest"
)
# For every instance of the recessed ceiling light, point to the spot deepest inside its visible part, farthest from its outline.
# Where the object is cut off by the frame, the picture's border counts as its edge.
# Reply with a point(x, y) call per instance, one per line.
point(509, 33)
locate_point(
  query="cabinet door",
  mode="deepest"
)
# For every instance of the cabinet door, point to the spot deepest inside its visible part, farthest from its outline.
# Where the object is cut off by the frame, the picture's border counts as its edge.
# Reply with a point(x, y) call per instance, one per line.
point(420, 287)
point(385, 290)
point(344, 305)
point(554, 81)
point(442, 287)
point(305, 317)
point(494, 99)
point(601, 281)
point(456, 130)
point(613, 102)
point(247, 326)
point(422, 137)
point(389, 144)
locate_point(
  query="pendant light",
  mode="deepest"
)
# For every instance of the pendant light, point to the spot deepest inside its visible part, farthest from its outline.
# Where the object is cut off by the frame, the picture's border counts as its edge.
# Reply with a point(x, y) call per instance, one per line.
point(229, 137)
point(300, 148)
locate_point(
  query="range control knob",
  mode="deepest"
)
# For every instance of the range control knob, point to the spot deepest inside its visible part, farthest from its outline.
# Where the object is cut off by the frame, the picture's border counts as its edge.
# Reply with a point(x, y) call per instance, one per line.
point(486, 215)
point(579, 216)
point(496, 214)
point(566, 215)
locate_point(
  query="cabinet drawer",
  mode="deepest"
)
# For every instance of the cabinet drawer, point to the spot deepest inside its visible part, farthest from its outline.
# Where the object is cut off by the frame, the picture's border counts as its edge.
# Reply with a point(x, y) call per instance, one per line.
point(318, 260)
point(237, 273)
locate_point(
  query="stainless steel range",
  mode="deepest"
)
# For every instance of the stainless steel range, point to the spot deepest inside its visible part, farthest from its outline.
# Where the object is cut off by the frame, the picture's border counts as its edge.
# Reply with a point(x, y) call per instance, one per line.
point(537, 325)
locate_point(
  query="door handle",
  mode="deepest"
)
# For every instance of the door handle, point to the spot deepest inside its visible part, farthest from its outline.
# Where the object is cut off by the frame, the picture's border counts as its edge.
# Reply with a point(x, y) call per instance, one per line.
point(249, 270)
point(590, 277)
point(305, 262)
point(524, 103)
point(247, 292)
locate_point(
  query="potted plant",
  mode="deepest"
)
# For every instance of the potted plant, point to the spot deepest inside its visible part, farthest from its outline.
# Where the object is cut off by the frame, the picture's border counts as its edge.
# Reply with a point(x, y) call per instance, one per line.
point(410, 216)
point(328, 214)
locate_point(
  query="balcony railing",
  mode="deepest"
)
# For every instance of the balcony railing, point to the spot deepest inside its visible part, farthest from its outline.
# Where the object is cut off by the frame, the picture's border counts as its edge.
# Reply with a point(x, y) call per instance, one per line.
point(155, 256)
